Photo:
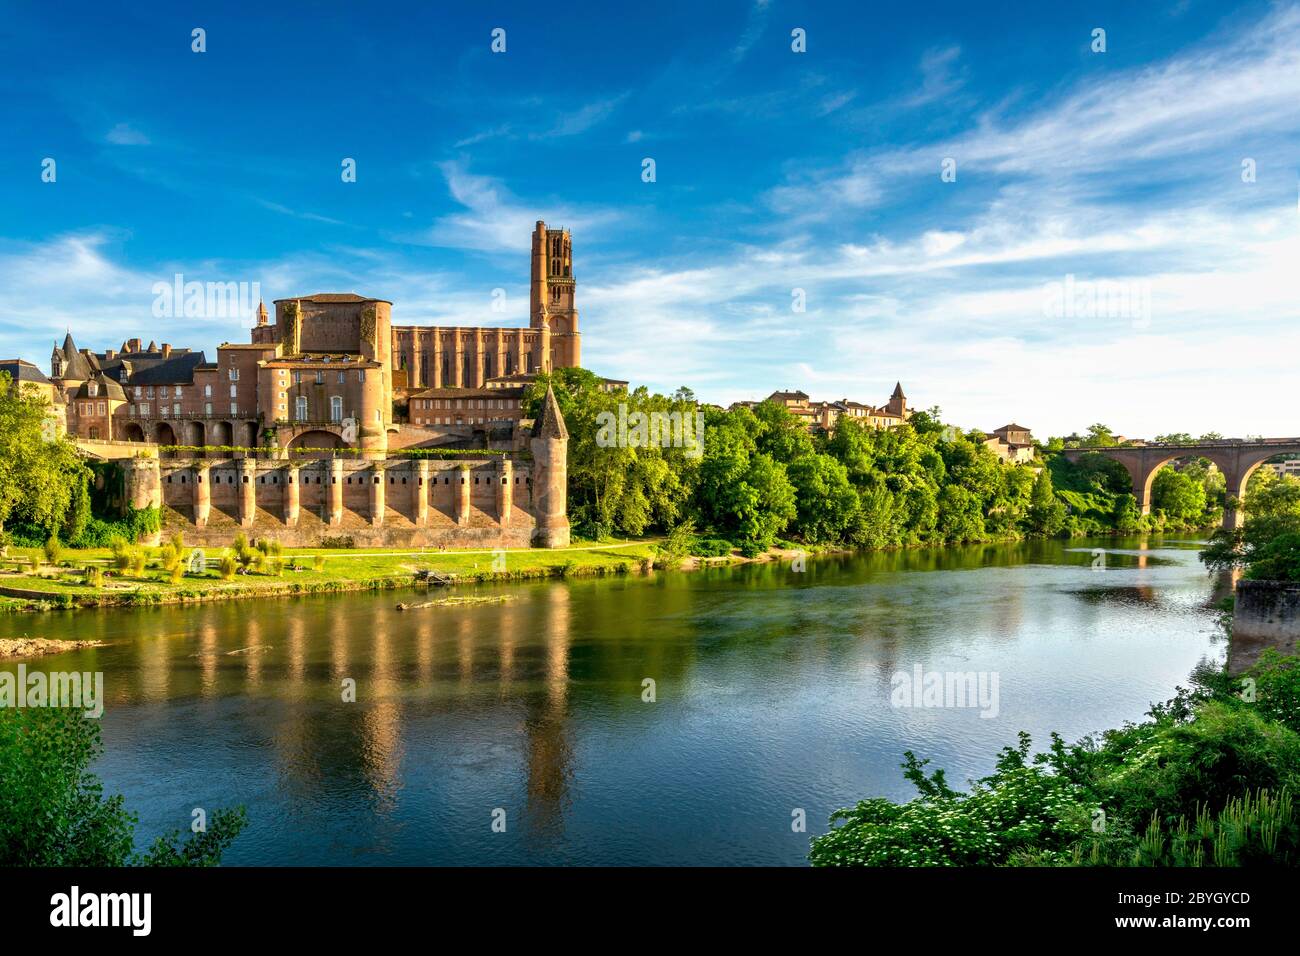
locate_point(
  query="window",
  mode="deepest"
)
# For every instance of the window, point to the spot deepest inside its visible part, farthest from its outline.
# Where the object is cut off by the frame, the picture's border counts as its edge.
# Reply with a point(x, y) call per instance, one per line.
point(297, 377)
point(234, 408)
point(150, 392)
point(207, 408)
point(300, 408)
point(234, 374)
point(342, 377)
point(92, 389)
point(361, 375)
point(178, 391)
point(176, 408)
point(207, 392)
point(144, 410)
point(320, 378)
point(139, 391)
point(336, 408)
point(234, 391)
point(102, 409)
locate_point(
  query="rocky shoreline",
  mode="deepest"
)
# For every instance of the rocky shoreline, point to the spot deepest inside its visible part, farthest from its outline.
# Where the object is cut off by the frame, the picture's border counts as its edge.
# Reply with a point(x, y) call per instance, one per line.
point(39, 646)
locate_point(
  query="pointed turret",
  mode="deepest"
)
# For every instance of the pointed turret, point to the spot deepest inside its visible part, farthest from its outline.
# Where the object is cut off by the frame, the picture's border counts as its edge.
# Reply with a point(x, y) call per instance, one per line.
point(550, 448)
point(897, 404)
point(551, 424)
point(261, 312)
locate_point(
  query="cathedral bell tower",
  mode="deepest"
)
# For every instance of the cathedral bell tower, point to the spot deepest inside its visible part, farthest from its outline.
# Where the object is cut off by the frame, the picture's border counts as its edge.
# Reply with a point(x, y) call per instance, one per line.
point(551, 301)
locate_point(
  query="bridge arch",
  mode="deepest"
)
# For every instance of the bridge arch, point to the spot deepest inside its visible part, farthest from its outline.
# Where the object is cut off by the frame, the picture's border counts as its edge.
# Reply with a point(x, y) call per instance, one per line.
point(1236, 458)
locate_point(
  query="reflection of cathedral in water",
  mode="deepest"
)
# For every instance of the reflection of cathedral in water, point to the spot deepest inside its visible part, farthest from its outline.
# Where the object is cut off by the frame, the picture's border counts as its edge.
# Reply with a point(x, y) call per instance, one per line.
point(289, 668)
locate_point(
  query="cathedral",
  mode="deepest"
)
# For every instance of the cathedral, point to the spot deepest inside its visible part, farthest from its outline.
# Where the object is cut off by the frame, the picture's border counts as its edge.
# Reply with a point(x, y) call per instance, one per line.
point(330, 370)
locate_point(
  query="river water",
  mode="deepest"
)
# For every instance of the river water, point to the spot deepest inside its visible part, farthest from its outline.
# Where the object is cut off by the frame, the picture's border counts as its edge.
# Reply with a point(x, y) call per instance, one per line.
point(772, 695)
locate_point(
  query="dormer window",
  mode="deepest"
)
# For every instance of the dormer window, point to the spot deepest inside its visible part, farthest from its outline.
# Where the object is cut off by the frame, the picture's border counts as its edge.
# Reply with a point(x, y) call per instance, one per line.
point(92, 389)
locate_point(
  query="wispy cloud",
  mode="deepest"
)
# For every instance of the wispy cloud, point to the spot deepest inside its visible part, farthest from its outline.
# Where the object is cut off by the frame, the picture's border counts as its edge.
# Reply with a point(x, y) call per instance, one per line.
point(124, 134)
point(494, 220)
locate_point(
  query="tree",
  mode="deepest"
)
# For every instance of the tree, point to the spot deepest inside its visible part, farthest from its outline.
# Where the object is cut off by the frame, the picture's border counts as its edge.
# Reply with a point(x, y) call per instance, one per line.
point(1099, 436)
point(827, 503)
point(1180, 496)
point(41, 477)
point(1046, 513)
point(53, 811)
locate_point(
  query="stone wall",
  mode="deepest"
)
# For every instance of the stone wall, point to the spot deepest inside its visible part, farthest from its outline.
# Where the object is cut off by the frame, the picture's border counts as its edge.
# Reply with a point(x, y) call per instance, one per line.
point(1267, 614)
point(482, 502)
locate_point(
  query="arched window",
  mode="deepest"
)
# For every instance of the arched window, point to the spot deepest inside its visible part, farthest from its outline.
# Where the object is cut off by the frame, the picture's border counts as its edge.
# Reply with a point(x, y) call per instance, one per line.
point(336, 408)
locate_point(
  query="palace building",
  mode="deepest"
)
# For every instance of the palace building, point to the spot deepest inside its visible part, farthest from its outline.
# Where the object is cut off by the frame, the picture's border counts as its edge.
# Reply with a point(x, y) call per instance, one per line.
point(330, 371)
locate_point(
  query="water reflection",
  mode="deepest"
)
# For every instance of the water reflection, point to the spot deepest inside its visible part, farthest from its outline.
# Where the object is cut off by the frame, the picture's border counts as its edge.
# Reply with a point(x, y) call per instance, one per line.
point(772, 691)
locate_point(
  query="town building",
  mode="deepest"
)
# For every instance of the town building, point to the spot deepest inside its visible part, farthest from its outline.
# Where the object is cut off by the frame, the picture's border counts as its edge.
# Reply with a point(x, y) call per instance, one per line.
point(1012, 443)
point(823, 415)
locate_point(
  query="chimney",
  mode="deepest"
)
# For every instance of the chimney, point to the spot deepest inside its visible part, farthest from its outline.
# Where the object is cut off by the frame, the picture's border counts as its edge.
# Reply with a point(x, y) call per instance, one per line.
point(110, 354)
point(166, 350)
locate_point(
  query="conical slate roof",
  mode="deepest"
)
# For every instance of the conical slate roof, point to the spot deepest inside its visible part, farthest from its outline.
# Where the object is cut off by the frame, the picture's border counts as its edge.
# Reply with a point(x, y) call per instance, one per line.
point(552, 423)
point(898, 391)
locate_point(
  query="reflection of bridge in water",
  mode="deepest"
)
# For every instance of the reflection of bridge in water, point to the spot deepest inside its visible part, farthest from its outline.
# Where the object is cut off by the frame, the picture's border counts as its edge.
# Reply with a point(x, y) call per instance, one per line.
point(1236, 458)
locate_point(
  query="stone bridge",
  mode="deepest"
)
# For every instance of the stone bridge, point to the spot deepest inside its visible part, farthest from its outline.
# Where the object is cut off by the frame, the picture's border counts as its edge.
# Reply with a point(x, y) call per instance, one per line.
point(1236, 458)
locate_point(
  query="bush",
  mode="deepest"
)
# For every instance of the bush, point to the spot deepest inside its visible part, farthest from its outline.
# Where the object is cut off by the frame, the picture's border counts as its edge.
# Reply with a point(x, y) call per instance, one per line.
point(712, 548)
point(35, 562)
point(94, 576)
point(227, 566)
point(121, 555)
point(53, 549)
point(318, 562)
point(138, 562)
point(1209, 779)
point(176, 574)
point(1278, 560)
point(53, 811)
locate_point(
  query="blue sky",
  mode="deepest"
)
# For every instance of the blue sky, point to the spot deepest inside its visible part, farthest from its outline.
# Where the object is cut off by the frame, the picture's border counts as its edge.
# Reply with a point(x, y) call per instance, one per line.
point(775, 171)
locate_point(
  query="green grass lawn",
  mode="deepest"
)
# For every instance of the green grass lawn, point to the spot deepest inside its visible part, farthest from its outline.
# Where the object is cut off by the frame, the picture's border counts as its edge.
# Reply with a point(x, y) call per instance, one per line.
point(345, 569)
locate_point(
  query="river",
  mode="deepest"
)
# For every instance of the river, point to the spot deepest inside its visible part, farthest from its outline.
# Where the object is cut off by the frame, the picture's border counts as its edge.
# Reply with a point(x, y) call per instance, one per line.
point(771, 695)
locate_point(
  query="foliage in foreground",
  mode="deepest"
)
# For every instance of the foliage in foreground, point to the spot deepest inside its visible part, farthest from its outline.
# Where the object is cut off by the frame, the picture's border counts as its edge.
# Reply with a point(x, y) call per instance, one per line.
point(53, 811)
point(1209, 779)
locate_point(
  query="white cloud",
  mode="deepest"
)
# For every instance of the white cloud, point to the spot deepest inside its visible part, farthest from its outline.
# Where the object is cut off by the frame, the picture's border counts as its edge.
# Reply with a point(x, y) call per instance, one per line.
point(124, 135)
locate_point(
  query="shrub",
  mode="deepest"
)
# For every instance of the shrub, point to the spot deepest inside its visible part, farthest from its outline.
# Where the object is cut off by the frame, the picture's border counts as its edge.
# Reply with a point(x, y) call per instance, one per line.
point(53, 549)
point(35, 562)
point(138, 560)
point(341, 541)
point(711, 548)
point(228, 566)
point(177, 573)
point(94, 576)
point(318, 562)
point(53, 811)
point(122, 557)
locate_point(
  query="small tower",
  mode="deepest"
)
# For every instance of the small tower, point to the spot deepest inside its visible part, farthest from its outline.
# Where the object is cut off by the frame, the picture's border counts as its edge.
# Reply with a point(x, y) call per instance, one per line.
point(261, 314)
point(550, 448)
point(897, 404)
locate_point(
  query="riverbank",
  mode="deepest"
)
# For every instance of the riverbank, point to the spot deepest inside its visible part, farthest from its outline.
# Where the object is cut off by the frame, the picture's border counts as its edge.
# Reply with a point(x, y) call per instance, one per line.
point(293, 572)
